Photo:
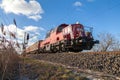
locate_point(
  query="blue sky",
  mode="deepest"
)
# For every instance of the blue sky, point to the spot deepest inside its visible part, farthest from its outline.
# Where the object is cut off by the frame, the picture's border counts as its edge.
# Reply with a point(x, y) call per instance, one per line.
point(39, 16)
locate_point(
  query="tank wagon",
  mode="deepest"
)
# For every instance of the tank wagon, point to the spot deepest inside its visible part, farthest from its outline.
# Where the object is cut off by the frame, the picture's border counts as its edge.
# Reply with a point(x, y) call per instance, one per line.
point(65, 37)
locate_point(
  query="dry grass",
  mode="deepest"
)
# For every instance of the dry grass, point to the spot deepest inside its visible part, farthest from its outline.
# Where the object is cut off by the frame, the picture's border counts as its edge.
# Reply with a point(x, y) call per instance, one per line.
point(9, 59)
point(40, 70)
point(9, 63)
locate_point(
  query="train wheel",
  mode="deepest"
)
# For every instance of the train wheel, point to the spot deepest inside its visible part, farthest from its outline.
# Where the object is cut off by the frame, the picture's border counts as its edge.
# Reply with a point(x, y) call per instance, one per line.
point(63, 48)
point(89, 47)
point(54, 49)
point(77, 49)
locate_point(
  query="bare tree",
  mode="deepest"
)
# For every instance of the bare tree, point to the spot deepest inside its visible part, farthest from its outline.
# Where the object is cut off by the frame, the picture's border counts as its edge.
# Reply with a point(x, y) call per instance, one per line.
point(108, 42)
point(116, 46)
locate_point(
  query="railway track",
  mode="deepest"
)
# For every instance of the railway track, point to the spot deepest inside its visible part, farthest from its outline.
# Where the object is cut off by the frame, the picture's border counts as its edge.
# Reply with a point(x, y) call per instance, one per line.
point(105, 62)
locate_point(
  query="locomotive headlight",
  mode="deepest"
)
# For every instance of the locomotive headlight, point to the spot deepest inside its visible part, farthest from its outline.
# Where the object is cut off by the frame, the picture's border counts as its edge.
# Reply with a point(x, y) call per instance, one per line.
point(80, 41)
point(83, 40)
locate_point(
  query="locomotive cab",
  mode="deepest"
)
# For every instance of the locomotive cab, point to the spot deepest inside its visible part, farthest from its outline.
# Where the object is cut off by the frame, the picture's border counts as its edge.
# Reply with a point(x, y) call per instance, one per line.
point(78, 31)
point(60, 28)
point(78, 38)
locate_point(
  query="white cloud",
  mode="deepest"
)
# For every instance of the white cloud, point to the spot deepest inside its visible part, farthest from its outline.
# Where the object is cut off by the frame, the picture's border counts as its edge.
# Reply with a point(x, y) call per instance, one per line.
point(35, 17)
point(30, 28)
point(12, 28)
point(20, 33)
point(34, 32)
point(32, 40)
point(33, 28)
point(77, 4)
point(31, 9)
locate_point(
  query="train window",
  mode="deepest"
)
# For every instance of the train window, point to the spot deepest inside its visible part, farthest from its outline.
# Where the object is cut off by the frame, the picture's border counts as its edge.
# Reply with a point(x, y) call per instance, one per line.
point(78, 29)
point(60, 28)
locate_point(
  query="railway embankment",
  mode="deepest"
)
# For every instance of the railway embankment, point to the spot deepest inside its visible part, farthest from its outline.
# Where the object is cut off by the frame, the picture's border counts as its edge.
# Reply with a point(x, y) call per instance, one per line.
point(105, 62)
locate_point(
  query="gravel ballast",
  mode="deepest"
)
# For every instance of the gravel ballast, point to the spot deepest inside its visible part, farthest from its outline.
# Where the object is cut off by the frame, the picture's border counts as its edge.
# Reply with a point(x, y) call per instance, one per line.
point(106, 62)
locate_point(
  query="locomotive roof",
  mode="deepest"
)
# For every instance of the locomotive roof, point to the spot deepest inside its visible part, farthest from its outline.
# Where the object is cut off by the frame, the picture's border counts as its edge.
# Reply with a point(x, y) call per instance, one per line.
point(57, 29)
point(61, 25)
point(77, 24)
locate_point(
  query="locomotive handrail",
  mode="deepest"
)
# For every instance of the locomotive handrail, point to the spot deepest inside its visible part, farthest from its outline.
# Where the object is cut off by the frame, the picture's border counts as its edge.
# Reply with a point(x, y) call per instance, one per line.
point(90, 28)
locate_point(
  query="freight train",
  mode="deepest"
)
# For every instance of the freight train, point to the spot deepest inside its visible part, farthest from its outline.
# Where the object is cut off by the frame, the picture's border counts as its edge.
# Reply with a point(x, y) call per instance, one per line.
point(63, 38)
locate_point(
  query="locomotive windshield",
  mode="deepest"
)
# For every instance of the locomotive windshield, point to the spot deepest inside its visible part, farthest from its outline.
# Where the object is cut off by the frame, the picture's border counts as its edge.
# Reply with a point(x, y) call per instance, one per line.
point(60, 28)
point(78, 29)
point(47, 35)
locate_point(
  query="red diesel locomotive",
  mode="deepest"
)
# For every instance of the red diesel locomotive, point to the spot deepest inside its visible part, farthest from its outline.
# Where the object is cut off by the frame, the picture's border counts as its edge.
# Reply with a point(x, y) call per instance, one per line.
point(64, 38)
